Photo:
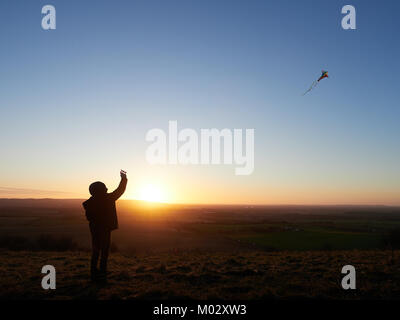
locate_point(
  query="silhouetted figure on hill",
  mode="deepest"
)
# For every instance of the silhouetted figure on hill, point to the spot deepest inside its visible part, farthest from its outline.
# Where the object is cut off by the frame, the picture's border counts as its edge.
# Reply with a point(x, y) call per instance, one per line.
point(102, 216)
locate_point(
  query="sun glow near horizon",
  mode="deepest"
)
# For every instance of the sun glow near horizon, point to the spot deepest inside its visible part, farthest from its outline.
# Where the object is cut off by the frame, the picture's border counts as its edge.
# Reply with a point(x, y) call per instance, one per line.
point(152, 193)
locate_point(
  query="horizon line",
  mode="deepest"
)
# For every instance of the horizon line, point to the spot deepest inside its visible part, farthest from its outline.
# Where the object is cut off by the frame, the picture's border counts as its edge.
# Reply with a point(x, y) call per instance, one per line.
point(223, 204)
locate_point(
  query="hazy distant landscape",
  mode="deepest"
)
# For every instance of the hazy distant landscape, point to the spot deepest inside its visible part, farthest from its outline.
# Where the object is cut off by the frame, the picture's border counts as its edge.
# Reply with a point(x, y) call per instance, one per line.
point(201, 251)
point(148, 227)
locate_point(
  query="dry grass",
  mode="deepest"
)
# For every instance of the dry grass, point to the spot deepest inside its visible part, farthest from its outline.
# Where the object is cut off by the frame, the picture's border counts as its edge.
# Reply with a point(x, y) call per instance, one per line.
point(248, 275)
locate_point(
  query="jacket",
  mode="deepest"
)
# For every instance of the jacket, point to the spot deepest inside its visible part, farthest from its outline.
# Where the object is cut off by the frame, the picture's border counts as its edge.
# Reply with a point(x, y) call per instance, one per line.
point(101, 211)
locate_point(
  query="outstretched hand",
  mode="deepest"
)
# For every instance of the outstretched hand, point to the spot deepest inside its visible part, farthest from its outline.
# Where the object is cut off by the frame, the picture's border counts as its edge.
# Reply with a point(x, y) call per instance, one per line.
point(123, 175)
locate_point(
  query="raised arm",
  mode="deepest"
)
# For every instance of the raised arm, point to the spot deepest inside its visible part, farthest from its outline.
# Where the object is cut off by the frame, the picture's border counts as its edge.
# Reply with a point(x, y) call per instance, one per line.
point(121, 188)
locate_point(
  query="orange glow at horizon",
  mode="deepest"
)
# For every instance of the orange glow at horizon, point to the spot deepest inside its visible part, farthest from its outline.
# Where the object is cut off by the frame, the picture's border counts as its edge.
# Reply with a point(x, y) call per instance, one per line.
point(152, 193)
point(179, 187)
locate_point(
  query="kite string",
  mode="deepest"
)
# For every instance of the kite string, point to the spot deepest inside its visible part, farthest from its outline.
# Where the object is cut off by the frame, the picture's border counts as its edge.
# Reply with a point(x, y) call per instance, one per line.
point(313, 85)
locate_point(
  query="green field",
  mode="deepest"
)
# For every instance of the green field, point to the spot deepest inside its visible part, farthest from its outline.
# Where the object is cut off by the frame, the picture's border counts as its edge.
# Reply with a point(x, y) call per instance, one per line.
point(312, 236)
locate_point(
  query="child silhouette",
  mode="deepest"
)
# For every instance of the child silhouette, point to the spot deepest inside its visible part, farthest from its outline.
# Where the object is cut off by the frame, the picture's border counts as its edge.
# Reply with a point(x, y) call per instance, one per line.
point(102, 216)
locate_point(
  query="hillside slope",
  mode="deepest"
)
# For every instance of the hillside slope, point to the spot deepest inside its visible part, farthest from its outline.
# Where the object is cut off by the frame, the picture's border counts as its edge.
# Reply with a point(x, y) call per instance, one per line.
point(195, 275)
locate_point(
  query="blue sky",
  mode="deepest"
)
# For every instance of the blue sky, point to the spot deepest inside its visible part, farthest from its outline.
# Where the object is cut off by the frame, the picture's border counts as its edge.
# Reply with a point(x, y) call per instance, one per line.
point(77, 102)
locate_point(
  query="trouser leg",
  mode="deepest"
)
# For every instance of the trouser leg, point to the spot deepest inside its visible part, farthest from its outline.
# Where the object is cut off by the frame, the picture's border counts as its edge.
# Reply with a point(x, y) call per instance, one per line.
point(105, 250)
point(95, 250)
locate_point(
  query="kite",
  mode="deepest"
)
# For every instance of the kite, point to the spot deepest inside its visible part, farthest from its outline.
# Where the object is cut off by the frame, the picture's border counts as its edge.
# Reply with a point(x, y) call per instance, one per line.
point(314, 84)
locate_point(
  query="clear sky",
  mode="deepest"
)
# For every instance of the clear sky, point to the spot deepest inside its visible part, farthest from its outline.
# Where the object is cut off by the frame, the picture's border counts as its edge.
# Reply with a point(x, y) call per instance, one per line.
point(76, 102)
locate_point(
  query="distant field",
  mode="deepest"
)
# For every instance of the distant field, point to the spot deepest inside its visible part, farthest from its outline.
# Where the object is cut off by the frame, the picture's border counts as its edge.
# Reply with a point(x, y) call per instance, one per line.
point(146, 228)
point(313, 240)
point(296, 237)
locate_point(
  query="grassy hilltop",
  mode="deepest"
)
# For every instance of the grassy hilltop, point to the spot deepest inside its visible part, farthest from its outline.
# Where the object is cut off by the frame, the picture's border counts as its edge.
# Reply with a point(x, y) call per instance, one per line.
point(196, 275)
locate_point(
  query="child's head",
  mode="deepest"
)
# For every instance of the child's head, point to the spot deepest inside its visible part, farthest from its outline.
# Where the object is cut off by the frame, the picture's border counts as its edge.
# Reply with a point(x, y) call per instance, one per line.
point(97, 188)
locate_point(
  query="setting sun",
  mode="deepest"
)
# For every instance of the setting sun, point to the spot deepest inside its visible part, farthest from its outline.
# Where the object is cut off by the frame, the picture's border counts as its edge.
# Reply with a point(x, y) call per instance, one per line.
point(152, 193)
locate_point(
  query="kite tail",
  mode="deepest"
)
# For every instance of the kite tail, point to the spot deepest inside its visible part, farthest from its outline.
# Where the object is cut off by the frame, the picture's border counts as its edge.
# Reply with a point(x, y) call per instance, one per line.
point(314, 84)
